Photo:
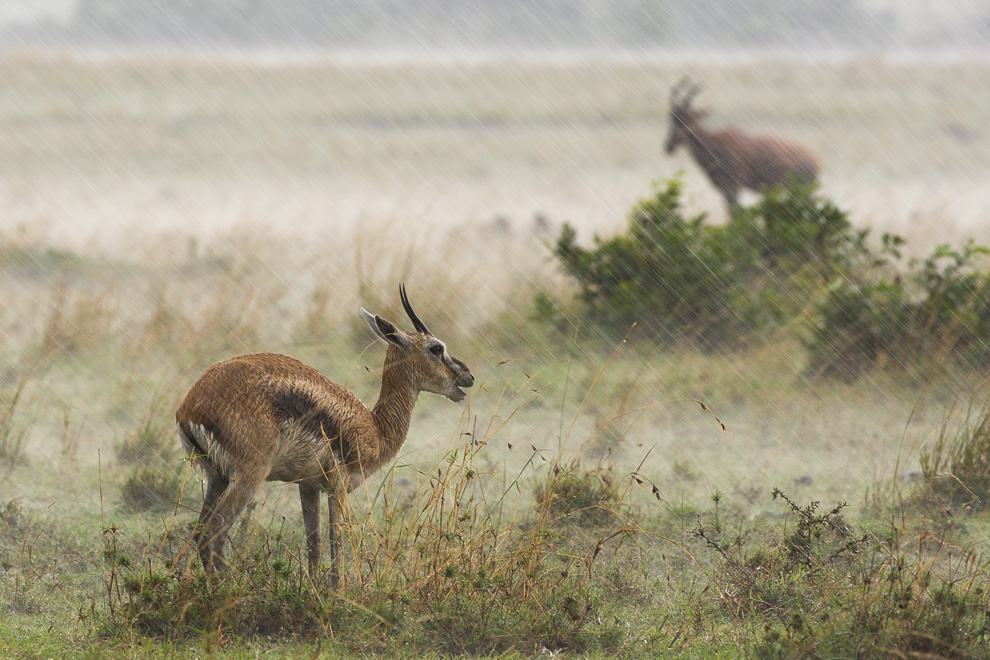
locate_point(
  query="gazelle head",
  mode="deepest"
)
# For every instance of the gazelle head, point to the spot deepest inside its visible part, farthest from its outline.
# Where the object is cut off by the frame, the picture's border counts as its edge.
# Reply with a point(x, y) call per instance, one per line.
point(682, 115)
point(424, 358)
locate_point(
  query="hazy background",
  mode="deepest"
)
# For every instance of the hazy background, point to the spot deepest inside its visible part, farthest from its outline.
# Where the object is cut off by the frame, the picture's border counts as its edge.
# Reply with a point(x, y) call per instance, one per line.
point(547, 25)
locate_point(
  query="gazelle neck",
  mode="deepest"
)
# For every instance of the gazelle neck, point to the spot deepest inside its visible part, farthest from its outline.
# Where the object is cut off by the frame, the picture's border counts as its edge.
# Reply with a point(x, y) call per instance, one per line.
point(393, 411)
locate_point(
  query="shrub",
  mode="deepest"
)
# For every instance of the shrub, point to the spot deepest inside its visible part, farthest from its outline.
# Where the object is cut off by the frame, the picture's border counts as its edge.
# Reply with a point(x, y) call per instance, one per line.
point(792, 229)
point(668, 274)
point(678, 278)
point(956, 305)
point(858, 325)
point(791, 256)
point(940, 309)
point(773, 582)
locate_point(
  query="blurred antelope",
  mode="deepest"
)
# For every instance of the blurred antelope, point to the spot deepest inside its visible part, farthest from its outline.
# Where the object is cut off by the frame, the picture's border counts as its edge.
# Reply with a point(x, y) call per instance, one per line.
point(731, 159)
point(266, 417)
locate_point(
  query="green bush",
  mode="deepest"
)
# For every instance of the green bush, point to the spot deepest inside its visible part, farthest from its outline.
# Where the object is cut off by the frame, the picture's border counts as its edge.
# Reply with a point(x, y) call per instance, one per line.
point(792, 230)
point(858, 325)
point(955, 309)
point(677, 278)
point(939, 310)
point(773, 582)
point(670, 275)
point(791, 258)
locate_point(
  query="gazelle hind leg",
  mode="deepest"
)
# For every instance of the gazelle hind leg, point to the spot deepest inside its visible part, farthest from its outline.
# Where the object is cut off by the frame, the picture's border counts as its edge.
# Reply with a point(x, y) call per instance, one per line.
point(215, 522)
point(215, 486)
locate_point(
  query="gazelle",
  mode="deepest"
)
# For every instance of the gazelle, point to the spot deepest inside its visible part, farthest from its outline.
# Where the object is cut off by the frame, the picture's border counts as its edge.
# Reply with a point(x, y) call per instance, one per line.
point(267, 417)
point(731, 159)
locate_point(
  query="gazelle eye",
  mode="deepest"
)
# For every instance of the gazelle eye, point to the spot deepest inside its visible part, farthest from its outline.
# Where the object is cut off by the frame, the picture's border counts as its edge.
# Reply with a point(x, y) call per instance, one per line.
point(437, 349)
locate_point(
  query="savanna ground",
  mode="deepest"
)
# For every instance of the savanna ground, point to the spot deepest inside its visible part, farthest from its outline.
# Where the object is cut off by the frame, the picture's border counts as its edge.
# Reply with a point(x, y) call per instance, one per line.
point(163, 213)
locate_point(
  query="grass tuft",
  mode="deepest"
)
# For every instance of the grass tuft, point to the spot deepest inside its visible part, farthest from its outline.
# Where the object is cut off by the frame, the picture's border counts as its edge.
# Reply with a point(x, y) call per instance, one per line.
point(956, 469)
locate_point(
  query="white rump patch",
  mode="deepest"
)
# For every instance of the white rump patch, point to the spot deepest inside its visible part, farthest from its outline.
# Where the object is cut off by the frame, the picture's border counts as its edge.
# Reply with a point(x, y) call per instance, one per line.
point(205, 441)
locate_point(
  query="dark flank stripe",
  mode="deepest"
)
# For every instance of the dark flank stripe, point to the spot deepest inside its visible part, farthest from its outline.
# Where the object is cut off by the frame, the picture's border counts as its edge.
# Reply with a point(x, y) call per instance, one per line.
point(299, 407)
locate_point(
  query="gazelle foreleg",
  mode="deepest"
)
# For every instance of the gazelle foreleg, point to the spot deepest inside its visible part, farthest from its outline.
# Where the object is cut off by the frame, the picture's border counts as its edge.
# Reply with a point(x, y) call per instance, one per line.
point(309, 496)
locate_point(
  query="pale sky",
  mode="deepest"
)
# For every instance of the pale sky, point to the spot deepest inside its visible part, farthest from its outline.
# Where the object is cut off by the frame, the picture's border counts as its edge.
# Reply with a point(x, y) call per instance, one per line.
point(21, 10)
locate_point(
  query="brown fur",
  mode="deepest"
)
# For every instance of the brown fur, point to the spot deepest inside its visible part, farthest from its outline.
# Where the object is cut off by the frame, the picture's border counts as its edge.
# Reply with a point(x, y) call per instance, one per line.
point(266, 417)
point(731, 159)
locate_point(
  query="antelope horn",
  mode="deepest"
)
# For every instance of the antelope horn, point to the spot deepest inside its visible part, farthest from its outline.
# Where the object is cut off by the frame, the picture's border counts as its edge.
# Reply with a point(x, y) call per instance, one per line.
point(417, 323)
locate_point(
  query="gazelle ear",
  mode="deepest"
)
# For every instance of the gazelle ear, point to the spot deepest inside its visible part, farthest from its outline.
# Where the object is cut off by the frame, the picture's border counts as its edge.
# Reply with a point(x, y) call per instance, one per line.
point(384, 329)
